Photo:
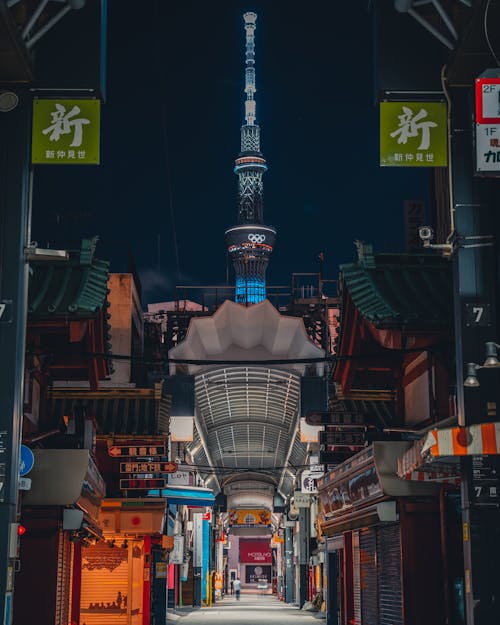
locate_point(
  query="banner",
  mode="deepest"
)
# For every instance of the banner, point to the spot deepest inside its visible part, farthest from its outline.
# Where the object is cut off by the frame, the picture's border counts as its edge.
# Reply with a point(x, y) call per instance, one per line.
point(249, 517)
point(255, 551)
point(177, 554)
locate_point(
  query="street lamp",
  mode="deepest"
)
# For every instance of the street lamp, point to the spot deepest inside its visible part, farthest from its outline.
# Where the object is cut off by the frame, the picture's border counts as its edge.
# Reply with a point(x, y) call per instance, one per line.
point(471, 380)
point(491, 355)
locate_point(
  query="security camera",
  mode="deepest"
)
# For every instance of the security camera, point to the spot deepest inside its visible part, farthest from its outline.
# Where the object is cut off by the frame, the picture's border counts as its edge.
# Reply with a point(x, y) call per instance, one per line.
point(426, 234)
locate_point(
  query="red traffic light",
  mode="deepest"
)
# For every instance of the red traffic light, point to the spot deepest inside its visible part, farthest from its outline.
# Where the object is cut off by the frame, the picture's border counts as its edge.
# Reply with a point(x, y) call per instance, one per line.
point(21, 530)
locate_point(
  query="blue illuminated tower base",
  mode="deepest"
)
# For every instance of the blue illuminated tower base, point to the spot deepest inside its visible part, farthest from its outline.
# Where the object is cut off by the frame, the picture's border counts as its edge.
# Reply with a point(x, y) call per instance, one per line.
point(250, 246)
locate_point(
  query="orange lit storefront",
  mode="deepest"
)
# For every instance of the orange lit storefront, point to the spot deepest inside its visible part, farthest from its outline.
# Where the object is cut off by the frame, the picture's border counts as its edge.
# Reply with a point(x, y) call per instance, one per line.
point(119, 573)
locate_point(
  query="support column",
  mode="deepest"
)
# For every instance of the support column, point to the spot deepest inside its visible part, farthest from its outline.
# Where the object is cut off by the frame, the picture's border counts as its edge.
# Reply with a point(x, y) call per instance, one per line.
point(304, 536)
point(14, 236)
point(197, 558)
point(288, 565)
point(476, 288)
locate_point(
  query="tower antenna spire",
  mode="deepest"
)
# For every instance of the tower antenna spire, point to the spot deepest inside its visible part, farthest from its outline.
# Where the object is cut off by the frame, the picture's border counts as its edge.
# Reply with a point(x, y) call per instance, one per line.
point(250, 243)
point(250, 89)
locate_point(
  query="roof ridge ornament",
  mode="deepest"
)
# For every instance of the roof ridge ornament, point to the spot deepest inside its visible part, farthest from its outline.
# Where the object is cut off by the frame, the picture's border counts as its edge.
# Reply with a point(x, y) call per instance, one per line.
point(366, 257)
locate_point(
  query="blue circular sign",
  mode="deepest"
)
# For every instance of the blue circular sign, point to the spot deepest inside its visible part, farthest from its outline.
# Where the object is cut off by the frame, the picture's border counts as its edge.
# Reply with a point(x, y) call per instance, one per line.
point(26, 461)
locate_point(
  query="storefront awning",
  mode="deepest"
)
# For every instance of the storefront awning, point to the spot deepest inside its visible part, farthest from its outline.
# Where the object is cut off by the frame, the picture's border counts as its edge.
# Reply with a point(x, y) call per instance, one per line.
point(438, 452)
point(183, 496)
point(141, 516)
point(355, 488)
point(65, 477)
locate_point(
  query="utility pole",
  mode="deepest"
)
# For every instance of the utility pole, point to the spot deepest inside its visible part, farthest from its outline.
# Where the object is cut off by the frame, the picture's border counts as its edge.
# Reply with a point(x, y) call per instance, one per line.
point(476, 288)
point(15, 203)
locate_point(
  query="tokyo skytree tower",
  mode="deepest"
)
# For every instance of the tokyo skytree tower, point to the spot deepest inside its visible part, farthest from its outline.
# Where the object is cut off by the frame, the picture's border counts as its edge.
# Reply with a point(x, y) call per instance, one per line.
point(251, 242)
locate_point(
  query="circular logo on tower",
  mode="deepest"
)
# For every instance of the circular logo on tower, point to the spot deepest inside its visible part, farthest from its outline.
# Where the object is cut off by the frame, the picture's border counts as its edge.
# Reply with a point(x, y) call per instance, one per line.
point(256, 238)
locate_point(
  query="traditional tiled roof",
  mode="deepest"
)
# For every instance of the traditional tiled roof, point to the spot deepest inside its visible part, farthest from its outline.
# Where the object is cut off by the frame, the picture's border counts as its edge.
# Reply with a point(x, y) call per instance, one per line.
point(74, 288)
point(399, 289)
point(117, 411)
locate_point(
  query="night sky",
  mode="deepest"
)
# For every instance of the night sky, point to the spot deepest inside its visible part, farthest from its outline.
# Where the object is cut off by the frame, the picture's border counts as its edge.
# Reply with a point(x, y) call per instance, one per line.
point(170, 132)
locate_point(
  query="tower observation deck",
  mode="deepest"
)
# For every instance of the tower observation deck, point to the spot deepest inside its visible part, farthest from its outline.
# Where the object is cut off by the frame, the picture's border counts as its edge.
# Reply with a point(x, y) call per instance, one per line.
point(251, 242)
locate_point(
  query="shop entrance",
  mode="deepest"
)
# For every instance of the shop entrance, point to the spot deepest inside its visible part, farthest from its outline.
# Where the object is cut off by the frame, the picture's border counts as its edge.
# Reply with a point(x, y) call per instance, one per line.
point(334, 595)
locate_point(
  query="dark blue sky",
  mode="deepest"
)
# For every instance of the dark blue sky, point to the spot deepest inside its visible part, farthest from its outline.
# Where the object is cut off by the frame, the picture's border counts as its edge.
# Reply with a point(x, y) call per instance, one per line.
point(175, 105)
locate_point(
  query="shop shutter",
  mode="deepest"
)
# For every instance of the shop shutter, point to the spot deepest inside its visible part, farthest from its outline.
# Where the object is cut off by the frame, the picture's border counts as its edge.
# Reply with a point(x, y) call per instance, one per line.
point(105, 598)
point(368, 575)
point(356, 582)
point(390, 604)
point(63, 585)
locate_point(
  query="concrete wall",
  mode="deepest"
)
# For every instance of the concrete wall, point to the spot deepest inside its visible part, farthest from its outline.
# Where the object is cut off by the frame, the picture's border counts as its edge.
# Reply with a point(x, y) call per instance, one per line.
point(126, 321)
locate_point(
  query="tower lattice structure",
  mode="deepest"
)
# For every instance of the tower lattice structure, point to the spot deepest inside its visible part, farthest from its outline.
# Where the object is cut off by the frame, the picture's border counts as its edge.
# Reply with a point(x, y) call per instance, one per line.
point(251, 242)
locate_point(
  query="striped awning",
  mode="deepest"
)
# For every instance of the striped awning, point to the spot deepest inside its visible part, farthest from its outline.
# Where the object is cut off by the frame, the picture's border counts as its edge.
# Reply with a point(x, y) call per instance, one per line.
point(440, 449)
point(433, 476)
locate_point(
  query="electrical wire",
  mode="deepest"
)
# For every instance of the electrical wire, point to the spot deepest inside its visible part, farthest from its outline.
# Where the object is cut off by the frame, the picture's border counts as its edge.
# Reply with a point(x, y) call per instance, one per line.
point(486, 33)
point(245, 363)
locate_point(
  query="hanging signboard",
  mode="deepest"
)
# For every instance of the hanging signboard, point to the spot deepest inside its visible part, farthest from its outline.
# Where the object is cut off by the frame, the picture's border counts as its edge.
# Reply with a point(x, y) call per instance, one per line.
point(177, 554)
point(249, 517)
point(413, 134)
point(148, 467)
point(308, 482)
point(65, 132)
point(136, 451)
point(329, 457)
point(488, 123)
point(180, 478)
point(345, 437)
point(301, 500)
point(142, 483)
point(487, 99)
point(487, 148)
point(336, 417)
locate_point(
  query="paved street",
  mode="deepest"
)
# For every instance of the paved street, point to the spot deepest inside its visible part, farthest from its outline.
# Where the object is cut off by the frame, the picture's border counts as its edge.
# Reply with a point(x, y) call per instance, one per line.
point(250, 610)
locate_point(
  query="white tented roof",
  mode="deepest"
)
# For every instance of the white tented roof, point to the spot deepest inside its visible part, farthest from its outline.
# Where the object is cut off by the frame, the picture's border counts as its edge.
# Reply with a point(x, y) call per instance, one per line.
point(247, 414)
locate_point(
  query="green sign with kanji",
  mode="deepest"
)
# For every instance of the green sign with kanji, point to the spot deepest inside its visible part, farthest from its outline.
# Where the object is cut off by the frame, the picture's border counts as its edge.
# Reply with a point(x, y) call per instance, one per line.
point(413, 134)
point(65, 132)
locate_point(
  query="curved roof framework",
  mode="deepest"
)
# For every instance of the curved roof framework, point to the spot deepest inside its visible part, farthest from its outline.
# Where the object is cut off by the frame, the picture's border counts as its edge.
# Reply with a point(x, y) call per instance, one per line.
point(248, 414)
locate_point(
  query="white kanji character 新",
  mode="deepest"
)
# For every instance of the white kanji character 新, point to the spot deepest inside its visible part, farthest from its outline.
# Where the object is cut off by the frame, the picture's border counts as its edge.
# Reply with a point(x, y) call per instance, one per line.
point(63, 123)
point(410, 125)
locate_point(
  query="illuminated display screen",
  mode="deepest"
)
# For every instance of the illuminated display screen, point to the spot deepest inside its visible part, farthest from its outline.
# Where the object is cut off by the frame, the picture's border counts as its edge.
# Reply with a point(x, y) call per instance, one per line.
point(250, 291)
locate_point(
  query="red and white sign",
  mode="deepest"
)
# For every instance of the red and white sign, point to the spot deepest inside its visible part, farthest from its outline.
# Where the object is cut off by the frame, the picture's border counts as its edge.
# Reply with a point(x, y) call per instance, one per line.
point(487, 135)
point(255, 551)
point(487, 100)
point(208, 515)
